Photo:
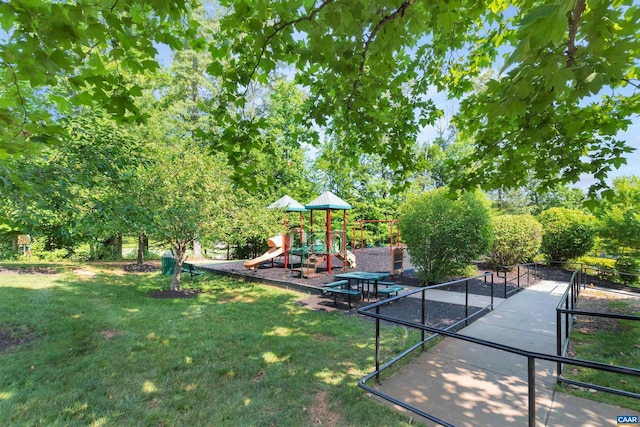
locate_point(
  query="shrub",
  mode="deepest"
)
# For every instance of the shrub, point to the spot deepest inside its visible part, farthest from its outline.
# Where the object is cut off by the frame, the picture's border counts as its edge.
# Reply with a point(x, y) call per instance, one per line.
point(443, 235)
point(39, 253)
point(598, 266)
point(626, 264)
point(516, 238)
point(566, 233)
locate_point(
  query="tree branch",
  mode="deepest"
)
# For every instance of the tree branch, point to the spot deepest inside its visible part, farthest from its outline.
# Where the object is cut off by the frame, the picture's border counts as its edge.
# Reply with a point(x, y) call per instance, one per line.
point(279, 27)
point(574, 23)
point(25, 113)
point(385, 20)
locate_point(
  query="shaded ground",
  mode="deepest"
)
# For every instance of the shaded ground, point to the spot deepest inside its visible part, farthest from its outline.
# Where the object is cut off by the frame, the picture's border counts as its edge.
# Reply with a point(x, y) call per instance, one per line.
point(141, 268)
point(371, 259)
point(599, 300)
point(10, 339)
point(182, 293)
point(28, 270)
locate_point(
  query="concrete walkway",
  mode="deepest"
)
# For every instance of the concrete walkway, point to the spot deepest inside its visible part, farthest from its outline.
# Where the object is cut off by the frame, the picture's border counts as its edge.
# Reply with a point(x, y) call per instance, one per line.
point(451, 297)
point(471, 385)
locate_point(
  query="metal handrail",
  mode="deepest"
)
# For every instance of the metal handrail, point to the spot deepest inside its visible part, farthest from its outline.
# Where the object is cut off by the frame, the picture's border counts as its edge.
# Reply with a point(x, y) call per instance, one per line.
point(567, 310)
point(507, 268)
point(435, 332)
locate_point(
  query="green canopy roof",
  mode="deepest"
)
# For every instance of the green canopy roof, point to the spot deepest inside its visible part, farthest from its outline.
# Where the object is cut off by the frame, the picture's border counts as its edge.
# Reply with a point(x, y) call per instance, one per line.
point(326, 201)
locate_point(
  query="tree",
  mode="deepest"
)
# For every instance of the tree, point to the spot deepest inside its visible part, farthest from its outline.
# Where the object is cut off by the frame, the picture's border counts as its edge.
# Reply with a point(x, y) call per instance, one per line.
point(281, 168)
point(74, 192)
point(619, 217)
point(187, 194)
point(368, 66)
point(541, 116)
point(511, 201)
point(566, 233)
point(444, 235)
point(72, 44)
point(569, 82)
point(516, 238)
point(561, 196)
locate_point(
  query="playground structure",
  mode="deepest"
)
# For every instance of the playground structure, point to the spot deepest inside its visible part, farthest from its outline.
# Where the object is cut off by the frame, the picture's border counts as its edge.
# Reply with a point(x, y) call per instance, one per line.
point(315, 249)
point(392, 223)
point(312, 249)
point(327, 202)
point(396, 253)
point(275, 250)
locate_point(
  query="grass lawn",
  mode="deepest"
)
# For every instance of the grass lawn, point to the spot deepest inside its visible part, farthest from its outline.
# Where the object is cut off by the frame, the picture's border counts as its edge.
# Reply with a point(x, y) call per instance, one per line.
point(91, 348)
point(615, 342)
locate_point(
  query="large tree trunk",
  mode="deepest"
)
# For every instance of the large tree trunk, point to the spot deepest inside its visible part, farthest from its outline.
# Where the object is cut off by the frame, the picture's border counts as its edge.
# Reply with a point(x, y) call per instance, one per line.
point(114, 246)
point(141, 239)
point(179, 251)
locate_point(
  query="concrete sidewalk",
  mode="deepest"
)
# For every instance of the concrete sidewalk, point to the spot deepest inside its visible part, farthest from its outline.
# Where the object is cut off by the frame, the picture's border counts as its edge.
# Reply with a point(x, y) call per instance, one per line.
point(458, 298)
point(471, 385)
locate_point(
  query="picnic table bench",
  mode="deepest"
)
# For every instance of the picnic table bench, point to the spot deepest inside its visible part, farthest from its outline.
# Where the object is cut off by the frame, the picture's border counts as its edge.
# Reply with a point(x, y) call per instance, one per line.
point(389, 289)
point(341, 287)
point(187, 267)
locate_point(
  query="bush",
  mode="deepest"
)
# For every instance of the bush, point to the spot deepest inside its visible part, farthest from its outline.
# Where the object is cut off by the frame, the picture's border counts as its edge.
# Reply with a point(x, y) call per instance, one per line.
point(39, 253)
point(626, 264)
point(597, 266)
point(566, 233)
point(516, 238)
point(444, 235)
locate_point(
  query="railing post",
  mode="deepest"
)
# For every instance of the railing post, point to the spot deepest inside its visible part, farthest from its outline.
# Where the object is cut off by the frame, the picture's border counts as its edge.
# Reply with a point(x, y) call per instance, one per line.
point(547, 265)
point(566, 317)
point(505, 284)
point(378, 346)
point(531, 379)
point(424, 319)
point(466, 301)
point(518, 280)
point(492, 283)
point(558, 343)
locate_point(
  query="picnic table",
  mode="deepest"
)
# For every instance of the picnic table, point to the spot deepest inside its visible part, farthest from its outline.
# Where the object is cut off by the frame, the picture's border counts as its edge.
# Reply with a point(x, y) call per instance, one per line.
point(362, 278)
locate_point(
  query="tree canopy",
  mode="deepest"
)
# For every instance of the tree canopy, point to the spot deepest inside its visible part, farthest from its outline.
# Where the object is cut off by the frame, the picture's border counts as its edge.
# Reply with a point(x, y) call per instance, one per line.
point(568, 85)
point(88, 47)
point(568, 81)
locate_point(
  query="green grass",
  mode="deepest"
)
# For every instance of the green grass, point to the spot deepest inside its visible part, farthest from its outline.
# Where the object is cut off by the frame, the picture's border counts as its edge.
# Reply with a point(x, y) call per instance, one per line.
point(612, 342)
point(102, 353)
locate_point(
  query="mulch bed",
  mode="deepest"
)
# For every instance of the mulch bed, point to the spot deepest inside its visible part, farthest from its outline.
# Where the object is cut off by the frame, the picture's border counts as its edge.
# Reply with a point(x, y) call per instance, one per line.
point(379, 260)
point(371, 260)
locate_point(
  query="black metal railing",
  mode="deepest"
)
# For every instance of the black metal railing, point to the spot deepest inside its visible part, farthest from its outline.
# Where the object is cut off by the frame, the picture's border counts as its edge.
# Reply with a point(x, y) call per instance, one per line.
point(486, 278)
point(566, 310)
point(522, 271)
point(373, 310)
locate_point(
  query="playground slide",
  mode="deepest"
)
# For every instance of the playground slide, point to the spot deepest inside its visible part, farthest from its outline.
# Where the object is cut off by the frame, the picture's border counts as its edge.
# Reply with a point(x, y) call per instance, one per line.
point(351, 258)
point(275, 250)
